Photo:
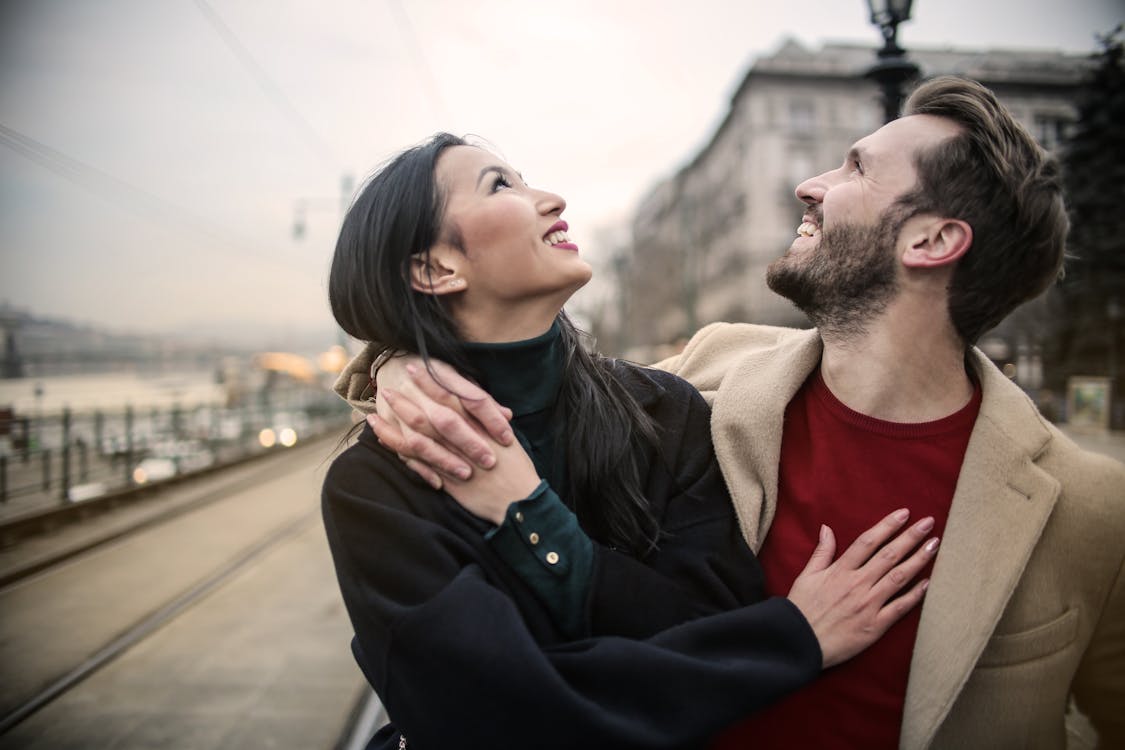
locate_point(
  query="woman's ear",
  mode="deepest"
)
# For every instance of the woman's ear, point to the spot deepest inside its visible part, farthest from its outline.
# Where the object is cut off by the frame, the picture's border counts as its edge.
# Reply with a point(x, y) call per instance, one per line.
point(435, 272)
point(938, 242)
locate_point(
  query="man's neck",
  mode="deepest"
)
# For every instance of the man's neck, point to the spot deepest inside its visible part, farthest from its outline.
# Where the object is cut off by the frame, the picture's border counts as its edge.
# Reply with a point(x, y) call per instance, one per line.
point(904, 368)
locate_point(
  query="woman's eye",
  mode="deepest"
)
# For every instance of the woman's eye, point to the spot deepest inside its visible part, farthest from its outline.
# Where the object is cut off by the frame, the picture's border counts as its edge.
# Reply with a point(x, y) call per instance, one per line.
point(857, 167)
point(500, 182)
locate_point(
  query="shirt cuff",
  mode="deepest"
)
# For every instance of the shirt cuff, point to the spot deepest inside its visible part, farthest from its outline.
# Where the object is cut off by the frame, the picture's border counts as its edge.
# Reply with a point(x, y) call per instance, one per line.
point(541, 541)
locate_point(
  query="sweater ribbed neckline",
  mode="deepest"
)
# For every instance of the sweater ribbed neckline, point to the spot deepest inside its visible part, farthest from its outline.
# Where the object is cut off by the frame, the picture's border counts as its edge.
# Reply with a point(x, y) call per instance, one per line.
point(962, 419)
point(523, 375)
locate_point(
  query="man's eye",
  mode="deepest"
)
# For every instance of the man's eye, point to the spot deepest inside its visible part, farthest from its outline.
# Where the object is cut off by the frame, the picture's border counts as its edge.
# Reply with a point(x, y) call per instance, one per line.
point(857, 167)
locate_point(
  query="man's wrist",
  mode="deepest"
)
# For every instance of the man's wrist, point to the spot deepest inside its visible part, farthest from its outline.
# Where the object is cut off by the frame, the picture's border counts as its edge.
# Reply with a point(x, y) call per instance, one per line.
point(381, 359)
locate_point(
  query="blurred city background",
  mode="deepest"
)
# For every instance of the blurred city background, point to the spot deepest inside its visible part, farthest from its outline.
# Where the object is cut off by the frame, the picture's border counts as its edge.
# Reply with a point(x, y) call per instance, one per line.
point(171, 181)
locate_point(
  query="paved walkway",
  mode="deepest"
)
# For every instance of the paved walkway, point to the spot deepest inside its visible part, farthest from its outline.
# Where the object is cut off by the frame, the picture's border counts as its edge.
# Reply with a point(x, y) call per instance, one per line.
point(262, 661)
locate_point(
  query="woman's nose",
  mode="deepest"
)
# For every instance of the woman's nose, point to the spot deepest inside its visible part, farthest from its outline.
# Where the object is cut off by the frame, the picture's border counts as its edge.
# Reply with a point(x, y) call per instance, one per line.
point(549, 202)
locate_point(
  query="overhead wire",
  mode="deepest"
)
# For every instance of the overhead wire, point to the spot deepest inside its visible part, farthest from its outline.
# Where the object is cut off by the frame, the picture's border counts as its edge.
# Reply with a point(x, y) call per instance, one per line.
point(133, 199)
point(149, 206)
point(429, 80)
point(271, 90)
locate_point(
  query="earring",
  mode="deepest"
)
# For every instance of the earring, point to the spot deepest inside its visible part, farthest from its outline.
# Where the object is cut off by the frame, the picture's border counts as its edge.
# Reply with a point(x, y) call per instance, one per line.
point(456, 282)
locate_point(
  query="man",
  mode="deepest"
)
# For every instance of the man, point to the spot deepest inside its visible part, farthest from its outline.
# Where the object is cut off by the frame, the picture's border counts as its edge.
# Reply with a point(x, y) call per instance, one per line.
point(934, 228)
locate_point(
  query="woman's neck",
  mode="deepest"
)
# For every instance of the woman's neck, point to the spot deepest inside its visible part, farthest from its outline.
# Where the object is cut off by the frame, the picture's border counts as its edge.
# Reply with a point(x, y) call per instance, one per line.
point(500, 324)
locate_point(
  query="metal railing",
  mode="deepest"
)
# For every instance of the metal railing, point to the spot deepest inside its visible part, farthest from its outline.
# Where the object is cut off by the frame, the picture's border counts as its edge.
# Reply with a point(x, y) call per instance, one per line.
point(69, 457)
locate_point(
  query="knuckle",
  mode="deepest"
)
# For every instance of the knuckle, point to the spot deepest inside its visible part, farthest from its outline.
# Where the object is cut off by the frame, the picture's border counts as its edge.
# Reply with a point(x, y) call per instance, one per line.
point(443, 419)
point(431, 453)
point(416, 443)
point(897, 576)
point(867, 540)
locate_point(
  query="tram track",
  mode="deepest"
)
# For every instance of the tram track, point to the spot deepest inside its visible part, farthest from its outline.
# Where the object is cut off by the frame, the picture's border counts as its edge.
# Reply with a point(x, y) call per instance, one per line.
point(146, 575)
point(213, 486)
point(147, 625)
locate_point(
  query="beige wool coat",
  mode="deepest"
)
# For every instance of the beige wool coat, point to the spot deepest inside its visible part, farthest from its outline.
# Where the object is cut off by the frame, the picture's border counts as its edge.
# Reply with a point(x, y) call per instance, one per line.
point(1026, 605)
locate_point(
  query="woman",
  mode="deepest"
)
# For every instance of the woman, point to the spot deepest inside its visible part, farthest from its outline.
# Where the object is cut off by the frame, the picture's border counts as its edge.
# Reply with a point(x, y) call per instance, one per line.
point(592, 589)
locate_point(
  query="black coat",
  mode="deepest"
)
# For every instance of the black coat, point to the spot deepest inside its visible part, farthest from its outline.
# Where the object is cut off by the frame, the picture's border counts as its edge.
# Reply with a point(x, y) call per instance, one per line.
point(463, 654)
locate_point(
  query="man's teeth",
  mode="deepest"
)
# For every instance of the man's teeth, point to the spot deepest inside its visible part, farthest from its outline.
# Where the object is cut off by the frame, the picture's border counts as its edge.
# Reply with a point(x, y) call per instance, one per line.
point(807, 229)
point(555, 238)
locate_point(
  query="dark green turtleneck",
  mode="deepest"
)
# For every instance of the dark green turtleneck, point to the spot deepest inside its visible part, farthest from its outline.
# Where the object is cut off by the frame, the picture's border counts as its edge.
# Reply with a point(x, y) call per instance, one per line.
point(525, 376)
point(540, 538)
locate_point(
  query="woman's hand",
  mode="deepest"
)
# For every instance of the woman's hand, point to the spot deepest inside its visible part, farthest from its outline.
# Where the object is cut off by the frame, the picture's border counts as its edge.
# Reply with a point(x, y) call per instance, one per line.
point(438, 431)
point(848, 602)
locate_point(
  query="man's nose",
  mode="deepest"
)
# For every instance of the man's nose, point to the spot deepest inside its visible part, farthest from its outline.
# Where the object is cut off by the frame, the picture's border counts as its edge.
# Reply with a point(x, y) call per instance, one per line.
point(813, 189)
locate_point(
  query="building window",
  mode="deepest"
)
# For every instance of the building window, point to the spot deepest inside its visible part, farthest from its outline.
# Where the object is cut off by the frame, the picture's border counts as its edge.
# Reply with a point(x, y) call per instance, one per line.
point(802, 116)
point(1051, 130)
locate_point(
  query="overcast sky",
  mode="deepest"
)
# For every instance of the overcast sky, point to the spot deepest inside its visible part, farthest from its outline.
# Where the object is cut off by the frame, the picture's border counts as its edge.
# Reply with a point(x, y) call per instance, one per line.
point(153, 152)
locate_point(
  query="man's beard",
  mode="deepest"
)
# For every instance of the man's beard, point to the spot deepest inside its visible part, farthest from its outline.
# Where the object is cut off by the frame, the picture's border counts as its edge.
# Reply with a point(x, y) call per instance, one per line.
point(846, 280)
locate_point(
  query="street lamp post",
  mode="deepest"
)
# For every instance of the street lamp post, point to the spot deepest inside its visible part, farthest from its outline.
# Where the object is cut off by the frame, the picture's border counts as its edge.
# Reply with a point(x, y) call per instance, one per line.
point(891, 70)
point(302, 206)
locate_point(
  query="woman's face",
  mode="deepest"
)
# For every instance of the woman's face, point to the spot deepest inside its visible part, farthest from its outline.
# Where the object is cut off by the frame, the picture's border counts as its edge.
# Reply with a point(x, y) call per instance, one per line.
point(517, 258)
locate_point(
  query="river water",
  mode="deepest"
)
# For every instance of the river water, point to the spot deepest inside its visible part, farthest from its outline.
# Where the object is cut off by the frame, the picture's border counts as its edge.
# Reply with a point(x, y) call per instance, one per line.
point(47, 396)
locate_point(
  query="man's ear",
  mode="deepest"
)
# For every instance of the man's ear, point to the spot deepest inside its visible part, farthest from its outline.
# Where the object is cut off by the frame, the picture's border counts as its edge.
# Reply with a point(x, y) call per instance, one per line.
point(937, 242)
point(436, 272)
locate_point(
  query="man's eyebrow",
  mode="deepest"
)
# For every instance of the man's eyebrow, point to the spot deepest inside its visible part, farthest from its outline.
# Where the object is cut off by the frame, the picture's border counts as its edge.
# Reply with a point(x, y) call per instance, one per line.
point(858, 153)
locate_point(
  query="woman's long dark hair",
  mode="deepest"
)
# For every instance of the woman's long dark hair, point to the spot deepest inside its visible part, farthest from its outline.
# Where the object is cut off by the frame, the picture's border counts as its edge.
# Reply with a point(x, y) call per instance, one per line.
point(610, 438)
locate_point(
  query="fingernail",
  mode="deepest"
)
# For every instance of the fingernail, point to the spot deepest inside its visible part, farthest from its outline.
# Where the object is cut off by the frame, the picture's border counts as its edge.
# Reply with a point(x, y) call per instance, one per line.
point(506, 437)
point(488, 460)
point(412, 369)
point(931, 545)
point(435, 483)
point(925, 584)
point(925, 525)
point(823, 533)
point(463, 473)
point(389, 394)
point(901, 515)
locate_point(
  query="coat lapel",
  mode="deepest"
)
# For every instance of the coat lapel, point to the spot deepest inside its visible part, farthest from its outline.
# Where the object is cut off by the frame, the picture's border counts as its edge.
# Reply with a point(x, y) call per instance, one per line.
point(999, 509)
point(747, 419)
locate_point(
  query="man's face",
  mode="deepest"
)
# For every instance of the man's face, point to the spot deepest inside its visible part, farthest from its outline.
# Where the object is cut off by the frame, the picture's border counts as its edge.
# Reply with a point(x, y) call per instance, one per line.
point(847, 280)
point(842, 268)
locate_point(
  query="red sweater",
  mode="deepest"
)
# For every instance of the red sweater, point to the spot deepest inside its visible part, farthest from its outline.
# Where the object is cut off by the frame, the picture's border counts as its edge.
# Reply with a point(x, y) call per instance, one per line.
point(848, 470)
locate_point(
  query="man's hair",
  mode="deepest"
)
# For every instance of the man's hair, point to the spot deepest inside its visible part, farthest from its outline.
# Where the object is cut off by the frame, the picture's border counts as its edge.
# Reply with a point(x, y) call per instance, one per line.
point(994, 176)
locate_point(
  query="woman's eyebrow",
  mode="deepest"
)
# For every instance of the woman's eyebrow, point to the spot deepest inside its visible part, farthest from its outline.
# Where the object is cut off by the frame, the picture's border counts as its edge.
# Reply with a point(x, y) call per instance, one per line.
point(486, 170)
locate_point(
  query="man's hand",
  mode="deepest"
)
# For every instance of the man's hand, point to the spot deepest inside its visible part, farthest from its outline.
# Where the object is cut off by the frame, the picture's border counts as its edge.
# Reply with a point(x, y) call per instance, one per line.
point(439, 427)
point(488, 494)
point(848, 602)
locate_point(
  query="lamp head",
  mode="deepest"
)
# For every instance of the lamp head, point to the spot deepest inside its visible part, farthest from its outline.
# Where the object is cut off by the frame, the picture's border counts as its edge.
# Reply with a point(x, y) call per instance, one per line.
point(889, 12)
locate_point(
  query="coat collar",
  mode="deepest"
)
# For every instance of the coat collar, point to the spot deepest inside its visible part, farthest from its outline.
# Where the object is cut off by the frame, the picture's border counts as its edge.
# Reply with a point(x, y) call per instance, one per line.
point(747, 418)
point(356, 383)
point(1001, 504)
